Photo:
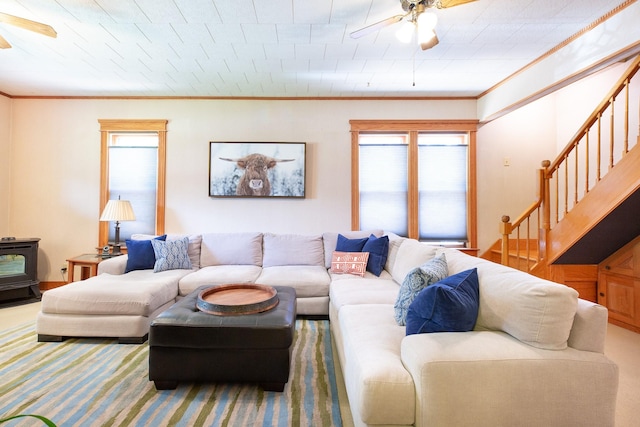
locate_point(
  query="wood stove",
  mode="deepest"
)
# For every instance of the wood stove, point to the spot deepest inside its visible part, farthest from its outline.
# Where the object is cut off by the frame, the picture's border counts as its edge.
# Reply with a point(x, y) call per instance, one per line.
point(18, 268)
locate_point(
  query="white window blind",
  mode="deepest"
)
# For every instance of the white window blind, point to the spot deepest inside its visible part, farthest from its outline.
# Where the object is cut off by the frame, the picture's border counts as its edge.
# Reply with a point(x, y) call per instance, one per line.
point(442, 187)
point(383, 183)
point(133, 175)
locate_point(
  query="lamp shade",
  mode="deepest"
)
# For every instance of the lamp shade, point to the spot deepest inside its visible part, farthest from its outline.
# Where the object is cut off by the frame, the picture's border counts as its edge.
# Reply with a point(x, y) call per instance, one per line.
point(118, 210)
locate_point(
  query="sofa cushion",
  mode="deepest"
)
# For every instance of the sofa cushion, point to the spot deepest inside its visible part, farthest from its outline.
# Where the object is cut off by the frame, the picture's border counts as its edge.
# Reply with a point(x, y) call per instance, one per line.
point(410, 255)
point(533, 310)
point(171, 255)
point(349, 263)
point(330, 241)
point(450, 305)
point(140, 292)
point(344, 244)
point(427, 274)
point(394, 245)
point(231, 249)
point(378, 248)
point(380, 389)
point(347, 289)
point(218, 275)
point(140, 254)
point(292, 249)
point(307, 280)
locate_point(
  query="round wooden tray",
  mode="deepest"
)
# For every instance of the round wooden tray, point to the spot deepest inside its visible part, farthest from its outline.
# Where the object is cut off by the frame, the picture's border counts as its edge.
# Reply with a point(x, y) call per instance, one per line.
point(237, 299)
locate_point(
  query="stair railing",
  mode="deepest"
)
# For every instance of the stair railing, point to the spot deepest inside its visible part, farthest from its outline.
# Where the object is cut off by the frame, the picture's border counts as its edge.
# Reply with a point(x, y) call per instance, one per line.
point(600, 143)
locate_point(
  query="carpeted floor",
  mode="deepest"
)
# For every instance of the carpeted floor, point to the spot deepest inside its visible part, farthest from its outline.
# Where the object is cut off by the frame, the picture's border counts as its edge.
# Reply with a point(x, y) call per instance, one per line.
point(92, 382)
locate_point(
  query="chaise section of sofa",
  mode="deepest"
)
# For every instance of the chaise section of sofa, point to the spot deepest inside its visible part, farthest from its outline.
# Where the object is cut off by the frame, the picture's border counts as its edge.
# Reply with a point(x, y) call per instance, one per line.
point(120, 306)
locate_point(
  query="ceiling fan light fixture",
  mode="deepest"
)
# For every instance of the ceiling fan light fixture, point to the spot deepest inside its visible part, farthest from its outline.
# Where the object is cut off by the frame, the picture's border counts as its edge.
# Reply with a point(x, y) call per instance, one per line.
point(427, 38)
point(427, 20)
point(406, 31)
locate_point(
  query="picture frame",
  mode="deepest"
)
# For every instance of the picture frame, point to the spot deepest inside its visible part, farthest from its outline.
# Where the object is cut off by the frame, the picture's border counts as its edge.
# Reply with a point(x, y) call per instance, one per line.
point(257, 169)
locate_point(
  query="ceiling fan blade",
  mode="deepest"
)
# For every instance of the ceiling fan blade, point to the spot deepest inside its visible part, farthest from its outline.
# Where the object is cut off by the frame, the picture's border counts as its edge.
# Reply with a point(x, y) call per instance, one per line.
point(4, 44)
point(451, 3)
point(430, 43)
point(377, 26)
point(27, 24)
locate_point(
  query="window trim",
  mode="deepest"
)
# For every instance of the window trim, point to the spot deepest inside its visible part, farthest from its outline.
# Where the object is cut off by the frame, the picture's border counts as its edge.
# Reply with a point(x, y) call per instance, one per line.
point(111, 125)
point(413, 128)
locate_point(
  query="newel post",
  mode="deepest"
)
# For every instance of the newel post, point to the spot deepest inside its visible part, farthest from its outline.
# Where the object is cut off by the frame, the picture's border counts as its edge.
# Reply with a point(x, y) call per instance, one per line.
point(545, 198)
point(505, 230)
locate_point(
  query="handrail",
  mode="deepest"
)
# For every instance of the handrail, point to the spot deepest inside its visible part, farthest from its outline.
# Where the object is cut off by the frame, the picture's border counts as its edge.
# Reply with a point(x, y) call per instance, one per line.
point(574, 164)
point(524, 220)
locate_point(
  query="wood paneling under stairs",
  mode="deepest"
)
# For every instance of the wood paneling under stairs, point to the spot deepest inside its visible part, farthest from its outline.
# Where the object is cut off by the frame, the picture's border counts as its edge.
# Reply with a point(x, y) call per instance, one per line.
point(582, 278)
point(619, 286)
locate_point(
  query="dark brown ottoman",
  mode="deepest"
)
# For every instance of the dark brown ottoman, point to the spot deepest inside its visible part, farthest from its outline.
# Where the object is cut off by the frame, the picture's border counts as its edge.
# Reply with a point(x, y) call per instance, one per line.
point(186, 344)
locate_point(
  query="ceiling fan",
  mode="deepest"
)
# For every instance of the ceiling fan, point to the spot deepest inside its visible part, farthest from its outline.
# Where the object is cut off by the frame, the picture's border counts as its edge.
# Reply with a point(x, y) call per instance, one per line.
point(417, 20)
point(26, 24)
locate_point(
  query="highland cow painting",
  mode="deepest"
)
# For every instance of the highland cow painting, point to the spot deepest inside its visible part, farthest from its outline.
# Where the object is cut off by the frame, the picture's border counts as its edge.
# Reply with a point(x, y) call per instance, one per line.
point(257, 169)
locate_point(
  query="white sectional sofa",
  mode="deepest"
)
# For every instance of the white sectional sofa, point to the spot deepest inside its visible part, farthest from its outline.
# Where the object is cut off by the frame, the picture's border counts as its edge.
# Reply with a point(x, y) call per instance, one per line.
point(535, 356)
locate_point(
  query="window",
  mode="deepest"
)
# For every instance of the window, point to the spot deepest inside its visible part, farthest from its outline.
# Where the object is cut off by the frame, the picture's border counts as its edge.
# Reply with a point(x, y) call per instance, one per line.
point(133, 168)
point(416, 179)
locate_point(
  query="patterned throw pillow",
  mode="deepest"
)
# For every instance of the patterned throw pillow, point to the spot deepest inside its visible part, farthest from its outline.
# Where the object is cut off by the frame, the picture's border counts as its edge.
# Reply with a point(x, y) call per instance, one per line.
point(172, 255)
point(349, 262)
point(416, 280)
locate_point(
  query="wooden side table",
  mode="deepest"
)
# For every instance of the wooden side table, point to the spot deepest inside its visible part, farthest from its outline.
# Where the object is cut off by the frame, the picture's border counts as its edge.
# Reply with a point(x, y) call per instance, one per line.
point(88, 264)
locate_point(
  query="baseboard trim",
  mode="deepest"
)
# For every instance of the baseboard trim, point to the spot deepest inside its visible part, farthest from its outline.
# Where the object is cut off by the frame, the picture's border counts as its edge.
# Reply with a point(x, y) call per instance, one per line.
point(45, 286)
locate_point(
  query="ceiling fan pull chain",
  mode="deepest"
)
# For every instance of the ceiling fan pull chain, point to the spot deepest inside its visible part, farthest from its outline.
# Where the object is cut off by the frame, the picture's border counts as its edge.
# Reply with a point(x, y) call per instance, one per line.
point(414, 68)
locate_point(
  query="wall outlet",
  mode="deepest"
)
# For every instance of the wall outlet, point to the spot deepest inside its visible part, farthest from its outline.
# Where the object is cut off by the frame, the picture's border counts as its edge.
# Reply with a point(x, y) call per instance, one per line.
point(63, 269)
point(506, 161)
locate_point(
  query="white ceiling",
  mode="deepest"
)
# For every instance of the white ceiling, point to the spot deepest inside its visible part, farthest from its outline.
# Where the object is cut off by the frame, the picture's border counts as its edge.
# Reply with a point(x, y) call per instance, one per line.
point(274, 48)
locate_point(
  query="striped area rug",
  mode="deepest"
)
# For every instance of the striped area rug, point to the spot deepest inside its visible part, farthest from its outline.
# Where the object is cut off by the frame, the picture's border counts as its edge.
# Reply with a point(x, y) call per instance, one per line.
point(93, 382)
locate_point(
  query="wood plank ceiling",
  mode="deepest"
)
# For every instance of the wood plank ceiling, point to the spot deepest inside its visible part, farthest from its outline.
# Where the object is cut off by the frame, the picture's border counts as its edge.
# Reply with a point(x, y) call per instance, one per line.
point(275, 48)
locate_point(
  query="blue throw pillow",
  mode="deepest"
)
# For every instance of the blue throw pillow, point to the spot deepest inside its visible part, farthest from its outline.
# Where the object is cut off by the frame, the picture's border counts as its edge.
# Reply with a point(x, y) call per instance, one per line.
point(451, 305)
point(350, 245)
point(171, 255)
point(140, 255)
point(378, 248)
point(416, 280)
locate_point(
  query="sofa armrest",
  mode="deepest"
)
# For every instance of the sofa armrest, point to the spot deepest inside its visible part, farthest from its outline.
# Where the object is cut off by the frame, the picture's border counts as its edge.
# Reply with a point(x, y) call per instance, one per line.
point(490, 378)
point(589, 327)
point(115, 265)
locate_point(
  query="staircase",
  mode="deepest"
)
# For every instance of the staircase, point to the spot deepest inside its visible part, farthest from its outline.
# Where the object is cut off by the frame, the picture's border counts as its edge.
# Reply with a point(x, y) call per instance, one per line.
point(588, 203)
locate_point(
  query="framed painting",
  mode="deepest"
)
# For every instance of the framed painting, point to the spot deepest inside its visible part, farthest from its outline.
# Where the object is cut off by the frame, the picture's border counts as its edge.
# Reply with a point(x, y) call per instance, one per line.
point(257, 169)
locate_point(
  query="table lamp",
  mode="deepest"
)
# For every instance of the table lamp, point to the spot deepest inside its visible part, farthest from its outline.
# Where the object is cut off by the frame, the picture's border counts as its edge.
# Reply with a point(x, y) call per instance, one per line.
point(117, 210)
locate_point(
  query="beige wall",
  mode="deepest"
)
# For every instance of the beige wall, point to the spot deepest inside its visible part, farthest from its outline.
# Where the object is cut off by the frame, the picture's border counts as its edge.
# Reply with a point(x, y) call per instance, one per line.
point(58, 140)
point(525, 137)
point(5, 163)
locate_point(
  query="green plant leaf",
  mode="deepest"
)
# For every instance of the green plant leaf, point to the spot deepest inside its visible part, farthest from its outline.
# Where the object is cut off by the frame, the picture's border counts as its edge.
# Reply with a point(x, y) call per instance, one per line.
point(45, 420)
